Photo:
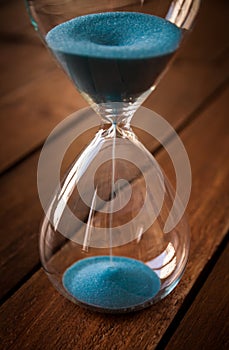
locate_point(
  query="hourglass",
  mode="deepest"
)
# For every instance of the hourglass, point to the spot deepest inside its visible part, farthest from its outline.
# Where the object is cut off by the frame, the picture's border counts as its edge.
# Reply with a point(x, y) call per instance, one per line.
point(103, 241)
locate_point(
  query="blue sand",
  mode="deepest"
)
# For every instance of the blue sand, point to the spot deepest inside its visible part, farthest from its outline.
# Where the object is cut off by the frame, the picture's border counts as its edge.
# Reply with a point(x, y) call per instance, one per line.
point(120, 284)
point(115, 35)
point(114, 56)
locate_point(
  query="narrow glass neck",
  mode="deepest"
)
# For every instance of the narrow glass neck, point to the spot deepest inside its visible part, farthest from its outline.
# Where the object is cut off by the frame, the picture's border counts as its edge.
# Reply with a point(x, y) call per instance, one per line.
point(122, 129)
point(119, 112)
point(116, 112)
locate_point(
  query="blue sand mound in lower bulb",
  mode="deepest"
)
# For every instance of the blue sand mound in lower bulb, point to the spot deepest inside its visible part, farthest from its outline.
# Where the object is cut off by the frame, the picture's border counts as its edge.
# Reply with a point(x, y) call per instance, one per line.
point(113, 285)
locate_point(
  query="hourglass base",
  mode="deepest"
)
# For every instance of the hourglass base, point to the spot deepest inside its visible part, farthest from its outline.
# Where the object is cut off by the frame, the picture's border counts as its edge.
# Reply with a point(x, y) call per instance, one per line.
point(111, 283)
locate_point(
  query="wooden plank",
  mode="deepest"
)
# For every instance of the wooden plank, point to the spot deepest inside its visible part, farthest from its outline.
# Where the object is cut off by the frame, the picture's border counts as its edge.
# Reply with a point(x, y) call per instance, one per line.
point(20, 218)
point(206, 38)
point(18, 236)
point(29, 77)
point(35, 119)
point(196, 73)
point(206, 48)
point(56, 323)
point(23, 56)
point(206, 324)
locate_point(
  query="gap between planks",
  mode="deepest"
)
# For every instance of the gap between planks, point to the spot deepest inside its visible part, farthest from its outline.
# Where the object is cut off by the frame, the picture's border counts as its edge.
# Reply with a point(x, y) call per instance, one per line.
point(195, 290)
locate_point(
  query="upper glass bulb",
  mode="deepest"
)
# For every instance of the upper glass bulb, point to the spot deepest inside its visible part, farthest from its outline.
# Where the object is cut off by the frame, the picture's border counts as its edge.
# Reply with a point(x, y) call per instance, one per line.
point(114, 51)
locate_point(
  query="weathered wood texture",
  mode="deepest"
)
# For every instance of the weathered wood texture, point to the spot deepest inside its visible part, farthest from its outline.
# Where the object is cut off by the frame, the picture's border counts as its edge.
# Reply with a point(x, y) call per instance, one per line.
point(205, 326)
point(36, 95)
point(20, 217)
point(54, 322)
point(197, 73)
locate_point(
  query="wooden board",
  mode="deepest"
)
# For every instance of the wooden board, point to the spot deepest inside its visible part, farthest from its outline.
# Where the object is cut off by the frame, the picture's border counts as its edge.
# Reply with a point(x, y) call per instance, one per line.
point(20, 217)
point(23, 57)
point(206, 324)
point(56, 323)
point(36, 96)
point(193, 97)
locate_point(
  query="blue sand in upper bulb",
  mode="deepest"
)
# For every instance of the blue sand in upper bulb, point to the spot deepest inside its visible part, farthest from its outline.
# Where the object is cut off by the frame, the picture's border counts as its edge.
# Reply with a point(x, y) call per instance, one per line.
point(120, 35)
point(113, 56)
point(113, 285)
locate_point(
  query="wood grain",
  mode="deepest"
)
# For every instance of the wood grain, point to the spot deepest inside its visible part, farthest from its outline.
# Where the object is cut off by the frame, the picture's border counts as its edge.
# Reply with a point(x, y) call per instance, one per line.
point(54, 322)
point(29, 76)
point(20, 217)
point(193, 98)
point(37, 119)
point(25, 119)
point(206, 324)
point(36, 96)
point(23, 57)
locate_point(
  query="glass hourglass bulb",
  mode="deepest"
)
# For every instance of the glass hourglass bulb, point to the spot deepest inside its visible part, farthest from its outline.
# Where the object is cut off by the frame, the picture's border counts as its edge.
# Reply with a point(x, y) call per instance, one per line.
point(102, 241)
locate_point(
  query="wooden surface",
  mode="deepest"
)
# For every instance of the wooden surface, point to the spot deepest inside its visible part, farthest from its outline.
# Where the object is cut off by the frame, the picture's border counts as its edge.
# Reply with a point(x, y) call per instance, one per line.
point(193, 96)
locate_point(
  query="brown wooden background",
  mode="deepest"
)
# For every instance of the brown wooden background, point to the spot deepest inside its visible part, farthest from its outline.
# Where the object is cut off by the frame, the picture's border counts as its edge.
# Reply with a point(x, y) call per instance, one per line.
point(194, 98)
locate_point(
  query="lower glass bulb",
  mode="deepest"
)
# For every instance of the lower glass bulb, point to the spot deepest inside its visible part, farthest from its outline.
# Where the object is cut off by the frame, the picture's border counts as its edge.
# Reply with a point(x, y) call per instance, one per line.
point(102, 242)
